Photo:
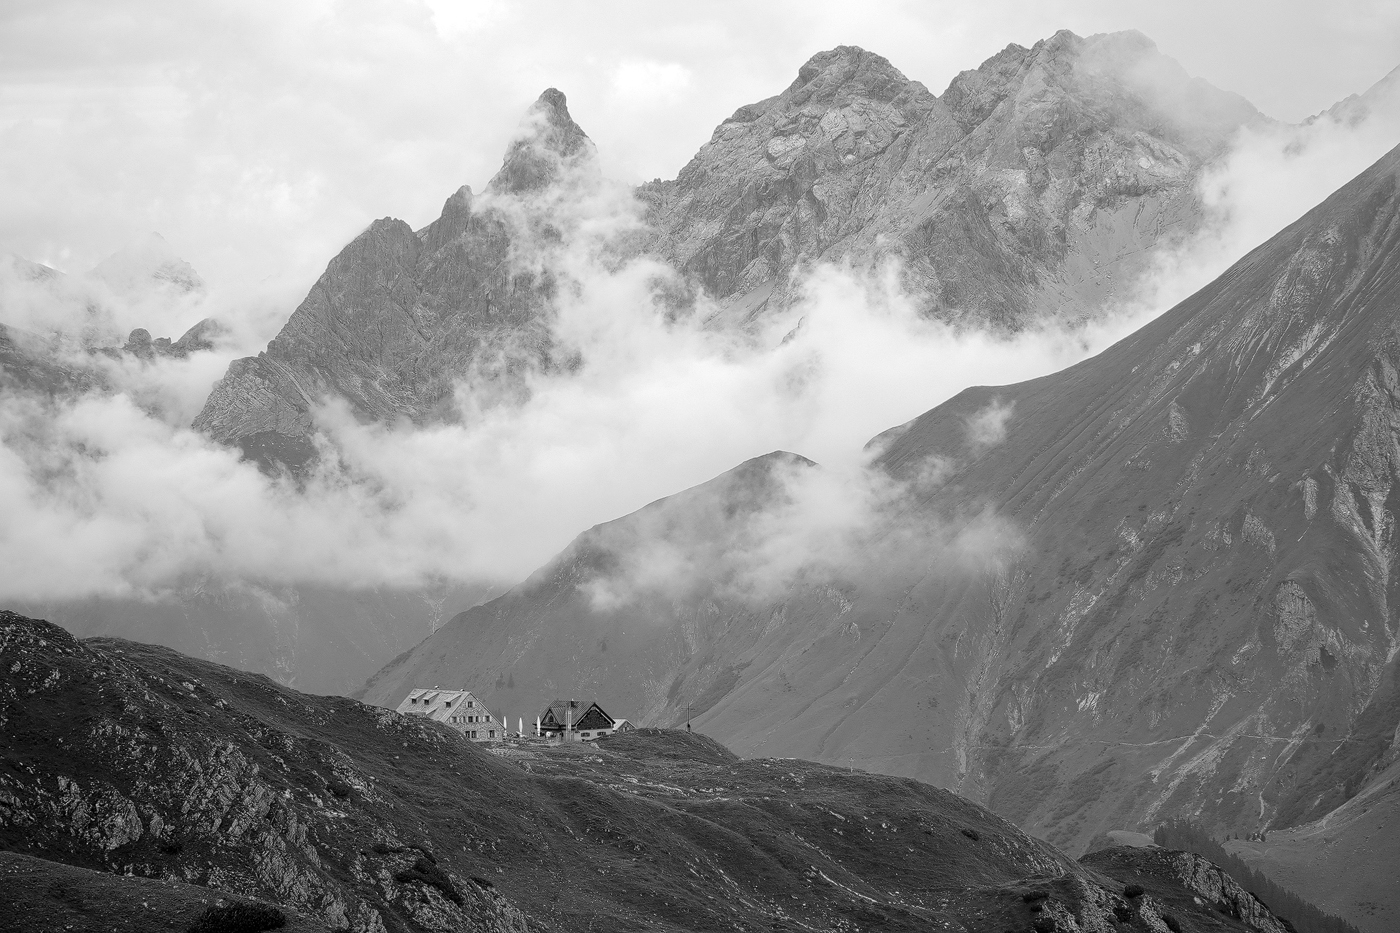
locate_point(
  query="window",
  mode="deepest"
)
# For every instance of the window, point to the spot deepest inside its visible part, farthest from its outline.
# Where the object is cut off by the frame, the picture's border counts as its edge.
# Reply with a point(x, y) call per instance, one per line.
point(449, 704)
point(469, 704)
point(493, 733)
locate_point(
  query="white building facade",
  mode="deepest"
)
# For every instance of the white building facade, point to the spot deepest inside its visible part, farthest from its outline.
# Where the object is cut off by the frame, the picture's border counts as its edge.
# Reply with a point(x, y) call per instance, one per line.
point(456, 708)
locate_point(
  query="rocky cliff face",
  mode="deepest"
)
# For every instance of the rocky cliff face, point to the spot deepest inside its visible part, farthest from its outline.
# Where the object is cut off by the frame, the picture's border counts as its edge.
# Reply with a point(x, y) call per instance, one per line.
point(372, 821)
point(400, 317)
point(1196, 618)
point(1038, 185)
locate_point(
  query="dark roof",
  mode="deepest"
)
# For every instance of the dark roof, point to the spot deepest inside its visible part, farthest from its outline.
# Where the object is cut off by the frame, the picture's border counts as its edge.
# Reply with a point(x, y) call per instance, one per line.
point(581, 708)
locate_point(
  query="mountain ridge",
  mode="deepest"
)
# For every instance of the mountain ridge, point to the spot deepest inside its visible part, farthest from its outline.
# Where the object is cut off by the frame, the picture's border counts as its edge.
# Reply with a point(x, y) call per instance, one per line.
point(1199, 646)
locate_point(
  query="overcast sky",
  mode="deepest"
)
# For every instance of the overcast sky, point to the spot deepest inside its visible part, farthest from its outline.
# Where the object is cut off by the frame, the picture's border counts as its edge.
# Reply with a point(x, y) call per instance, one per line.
point(258, 137)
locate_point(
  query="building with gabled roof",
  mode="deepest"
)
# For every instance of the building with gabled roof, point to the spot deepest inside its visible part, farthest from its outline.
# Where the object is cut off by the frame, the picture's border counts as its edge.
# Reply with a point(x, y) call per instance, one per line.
point(571, 720)
point(459, 709)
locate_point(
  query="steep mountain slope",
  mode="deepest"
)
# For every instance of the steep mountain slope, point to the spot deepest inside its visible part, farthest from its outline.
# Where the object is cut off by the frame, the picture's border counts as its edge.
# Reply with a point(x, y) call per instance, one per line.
point(399, 317)
point(1038, 185)
point(373, 821)
point(1193, 617)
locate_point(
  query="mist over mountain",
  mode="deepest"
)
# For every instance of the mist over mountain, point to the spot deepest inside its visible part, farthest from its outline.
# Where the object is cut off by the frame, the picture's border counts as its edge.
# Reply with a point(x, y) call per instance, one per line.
point(1039, 187)
point(401, 317)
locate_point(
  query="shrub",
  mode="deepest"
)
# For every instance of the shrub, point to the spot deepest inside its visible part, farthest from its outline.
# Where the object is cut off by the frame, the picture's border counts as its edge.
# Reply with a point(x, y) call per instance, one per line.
point(1031, 897)
point(338, 788)
point(971, 834)
point(1132, 890)
point(1172, 923)
point(239, 918)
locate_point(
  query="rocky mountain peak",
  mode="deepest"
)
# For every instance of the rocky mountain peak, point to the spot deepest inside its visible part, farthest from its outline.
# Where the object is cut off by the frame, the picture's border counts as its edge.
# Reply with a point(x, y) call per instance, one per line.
point(548, 141)
point(849, 70)
point(144, 262)
point(1064, 163)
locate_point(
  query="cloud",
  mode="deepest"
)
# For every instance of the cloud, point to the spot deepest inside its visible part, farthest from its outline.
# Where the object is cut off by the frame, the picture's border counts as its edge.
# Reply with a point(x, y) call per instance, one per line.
point(110, 493)
point(799, 524)
point(1271, 176)
point(987, 428)
point(647, 83)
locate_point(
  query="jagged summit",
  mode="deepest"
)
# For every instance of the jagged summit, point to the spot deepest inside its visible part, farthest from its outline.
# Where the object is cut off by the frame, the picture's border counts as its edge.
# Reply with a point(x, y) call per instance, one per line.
point(547, 142)
point(400, 316)
point(854, 68)
point(144, 262)
point(1038, 185)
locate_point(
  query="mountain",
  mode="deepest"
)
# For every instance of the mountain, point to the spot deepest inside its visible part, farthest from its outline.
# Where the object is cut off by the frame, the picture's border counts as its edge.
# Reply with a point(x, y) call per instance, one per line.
point(146, 264)
point(1037, 186)
point(1381, 98)
point(547, 637)
point(400, 317)
point(319, 639)
point(367, 820)
point(1344, 861)
point(34, 365)
point(1184, 608)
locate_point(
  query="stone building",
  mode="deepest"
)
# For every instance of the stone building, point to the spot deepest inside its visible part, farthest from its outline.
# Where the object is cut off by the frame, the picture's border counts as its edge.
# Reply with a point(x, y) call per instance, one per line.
point(456, 708)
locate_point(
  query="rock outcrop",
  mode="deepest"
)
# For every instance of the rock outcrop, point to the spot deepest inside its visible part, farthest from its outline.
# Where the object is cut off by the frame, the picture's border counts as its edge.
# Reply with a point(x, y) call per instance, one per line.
point(1174, 882)
point(368, 820)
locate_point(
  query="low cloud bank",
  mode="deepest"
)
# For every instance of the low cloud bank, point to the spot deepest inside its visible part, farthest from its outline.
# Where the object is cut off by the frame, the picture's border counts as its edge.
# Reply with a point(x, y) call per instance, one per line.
point(111, 493)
